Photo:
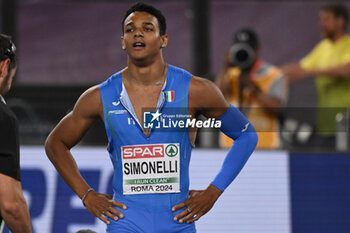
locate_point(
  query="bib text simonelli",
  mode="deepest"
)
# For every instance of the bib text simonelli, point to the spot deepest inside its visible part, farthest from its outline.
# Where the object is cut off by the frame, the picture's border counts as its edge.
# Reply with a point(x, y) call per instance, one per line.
point(151, 168)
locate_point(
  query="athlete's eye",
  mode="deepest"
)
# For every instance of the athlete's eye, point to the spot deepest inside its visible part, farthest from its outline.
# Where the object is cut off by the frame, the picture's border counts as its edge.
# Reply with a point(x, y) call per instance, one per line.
point(148, 29)
point(129, 30)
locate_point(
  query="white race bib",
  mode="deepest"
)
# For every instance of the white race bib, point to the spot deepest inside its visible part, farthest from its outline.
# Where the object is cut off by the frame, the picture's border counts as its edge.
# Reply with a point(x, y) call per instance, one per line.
point(151, 168)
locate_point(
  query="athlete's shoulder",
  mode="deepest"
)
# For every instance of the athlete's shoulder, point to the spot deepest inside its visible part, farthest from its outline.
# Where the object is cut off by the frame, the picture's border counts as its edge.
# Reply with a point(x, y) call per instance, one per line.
point(204, 93)
point(112, 80)
point(201, 83)
point(112, 87)
point(200, 87)
point(174, 70)
point(89, 103)
point(91, 95)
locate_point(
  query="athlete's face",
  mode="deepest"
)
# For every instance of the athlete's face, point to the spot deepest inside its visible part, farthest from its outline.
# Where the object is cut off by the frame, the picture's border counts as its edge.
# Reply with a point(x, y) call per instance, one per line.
point(330, 24)
point(141, 37)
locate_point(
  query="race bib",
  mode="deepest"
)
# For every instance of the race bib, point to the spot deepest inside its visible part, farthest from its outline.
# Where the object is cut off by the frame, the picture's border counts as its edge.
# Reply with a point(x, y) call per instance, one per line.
point(151, 168)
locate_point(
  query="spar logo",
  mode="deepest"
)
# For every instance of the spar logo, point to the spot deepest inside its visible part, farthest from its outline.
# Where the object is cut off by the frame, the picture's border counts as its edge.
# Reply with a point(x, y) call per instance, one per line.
point(143, 151)
point(149, 151)
point(171, 150)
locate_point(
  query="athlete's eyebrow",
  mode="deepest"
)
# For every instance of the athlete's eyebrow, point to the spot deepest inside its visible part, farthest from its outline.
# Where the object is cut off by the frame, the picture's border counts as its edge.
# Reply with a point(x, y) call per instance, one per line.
point(148, 23)
point(144, 23)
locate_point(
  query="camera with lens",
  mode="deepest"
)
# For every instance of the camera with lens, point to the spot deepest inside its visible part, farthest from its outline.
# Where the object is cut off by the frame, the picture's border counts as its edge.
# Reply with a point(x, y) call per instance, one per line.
point(242, 53)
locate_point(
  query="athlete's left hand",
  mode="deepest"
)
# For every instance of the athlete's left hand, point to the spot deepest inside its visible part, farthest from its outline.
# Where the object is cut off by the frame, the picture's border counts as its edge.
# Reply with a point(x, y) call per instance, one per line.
point(199, 202)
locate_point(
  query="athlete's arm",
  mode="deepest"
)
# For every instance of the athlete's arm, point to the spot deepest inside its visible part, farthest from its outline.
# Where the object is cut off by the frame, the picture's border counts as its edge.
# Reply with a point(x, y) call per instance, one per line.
point(205, 96)
point(66, 135)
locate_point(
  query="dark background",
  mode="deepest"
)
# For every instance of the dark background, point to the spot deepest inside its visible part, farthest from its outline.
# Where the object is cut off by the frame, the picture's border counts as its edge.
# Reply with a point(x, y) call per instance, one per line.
point(67, 46)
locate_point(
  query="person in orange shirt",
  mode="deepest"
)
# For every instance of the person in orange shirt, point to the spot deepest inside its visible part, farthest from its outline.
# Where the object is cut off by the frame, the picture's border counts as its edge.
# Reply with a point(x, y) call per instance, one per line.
point(255, 86)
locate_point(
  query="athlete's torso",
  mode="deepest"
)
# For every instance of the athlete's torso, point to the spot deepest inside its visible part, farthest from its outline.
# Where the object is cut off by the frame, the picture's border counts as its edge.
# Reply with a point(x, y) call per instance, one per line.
point(150, 172)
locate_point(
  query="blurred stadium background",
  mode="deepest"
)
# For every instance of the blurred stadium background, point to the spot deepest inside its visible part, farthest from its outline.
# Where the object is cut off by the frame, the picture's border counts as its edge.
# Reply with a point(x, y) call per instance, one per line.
point(66, 46)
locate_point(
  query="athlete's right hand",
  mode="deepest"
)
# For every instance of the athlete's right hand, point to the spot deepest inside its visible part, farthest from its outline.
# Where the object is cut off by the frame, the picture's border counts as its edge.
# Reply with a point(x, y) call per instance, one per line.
point(101, 205)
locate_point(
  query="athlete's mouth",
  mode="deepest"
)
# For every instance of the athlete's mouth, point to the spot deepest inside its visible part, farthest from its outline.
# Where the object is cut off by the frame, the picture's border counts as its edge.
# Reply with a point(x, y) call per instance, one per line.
point(138, 44)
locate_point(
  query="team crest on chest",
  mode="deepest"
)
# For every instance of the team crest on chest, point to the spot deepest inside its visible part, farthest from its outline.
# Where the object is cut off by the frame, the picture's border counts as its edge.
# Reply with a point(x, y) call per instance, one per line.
point(169, 96)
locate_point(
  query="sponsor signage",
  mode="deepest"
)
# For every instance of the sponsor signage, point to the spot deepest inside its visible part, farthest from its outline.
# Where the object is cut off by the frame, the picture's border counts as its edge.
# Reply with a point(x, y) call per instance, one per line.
point(151, 168)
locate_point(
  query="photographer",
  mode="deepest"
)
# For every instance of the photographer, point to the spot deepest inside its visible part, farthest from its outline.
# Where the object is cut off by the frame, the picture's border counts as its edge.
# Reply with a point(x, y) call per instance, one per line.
point(253, 85)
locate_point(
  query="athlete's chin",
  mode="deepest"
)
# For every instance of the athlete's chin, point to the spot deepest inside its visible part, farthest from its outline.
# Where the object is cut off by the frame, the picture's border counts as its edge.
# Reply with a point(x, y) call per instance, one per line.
point(140, 60)
point(138, 55)
point(141, 57)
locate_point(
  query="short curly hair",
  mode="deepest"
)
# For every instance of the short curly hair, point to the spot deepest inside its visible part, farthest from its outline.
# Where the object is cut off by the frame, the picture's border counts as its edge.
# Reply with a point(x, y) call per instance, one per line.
point(142, 7)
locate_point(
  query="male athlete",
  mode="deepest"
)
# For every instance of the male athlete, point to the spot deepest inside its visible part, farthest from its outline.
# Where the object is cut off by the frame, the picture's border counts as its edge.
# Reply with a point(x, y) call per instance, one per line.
point(151, 166)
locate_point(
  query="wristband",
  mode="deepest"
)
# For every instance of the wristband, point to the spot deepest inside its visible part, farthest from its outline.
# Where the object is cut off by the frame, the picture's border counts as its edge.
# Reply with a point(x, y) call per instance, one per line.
point(85, 195)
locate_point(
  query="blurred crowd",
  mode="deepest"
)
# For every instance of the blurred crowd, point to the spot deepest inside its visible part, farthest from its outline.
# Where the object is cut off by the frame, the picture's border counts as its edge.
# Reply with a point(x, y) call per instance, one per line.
point(260, 89)
point(248, 78)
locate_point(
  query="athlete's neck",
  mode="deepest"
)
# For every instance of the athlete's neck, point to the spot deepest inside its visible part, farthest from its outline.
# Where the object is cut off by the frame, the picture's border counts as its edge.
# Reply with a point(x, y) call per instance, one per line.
point(153, 74)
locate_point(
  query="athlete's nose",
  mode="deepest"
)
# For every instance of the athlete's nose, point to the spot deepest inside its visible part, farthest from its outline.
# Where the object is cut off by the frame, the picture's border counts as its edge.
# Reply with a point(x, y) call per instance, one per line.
point(138, 33)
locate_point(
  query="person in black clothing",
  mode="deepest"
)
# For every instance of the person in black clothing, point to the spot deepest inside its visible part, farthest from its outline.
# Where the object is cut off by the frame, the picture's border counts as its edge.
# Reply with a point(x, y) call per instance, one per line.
point(13, 207)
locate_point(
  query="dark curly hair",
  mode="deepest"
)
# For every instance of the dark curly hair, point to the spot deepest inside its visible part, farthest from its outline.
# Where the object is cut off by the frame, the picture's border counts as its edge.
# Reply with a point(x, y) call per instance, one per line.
point(142, 7)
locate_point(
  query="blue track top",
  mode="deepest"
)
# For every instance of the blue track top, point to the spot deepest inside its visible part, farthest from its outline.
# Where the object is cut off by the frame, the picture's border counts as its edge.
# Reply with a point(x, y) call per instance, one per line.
point(151, 174)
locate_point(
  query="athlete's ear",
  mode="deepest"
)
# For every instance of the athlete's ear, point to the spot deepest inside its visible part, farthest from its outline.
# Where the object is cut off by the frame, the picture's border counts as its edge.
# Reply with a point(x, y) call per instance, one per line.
point(4, 66)
point(164, 41)
point(123, 42)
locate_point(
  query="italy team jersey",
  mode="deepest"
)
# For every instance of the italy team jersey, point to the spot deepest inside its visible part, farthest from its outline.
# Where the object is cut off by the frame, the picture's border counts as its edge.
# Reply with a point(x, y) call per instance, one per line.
point(150, 172)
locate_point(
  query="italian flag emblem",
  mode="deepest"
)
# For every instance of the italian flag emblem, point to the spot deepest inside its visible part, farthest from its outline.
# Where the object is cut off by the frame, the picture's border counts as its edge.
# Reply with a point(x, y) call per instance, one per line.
point(169, 96)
